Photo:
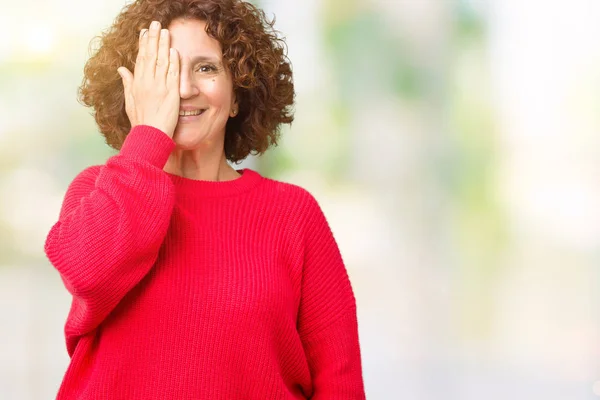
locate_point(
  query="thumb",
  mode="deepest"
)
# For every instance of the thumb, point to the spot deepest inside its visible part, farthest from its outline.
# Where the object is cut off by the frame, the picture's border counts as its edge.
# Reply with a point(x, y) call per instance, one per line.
point(125, 76)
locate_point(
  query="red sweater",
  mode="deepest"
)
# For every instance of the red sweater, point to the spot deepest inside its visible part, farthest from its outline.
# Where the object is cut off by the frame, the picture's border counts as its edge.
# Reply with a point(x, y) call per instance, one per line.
point(185, 289)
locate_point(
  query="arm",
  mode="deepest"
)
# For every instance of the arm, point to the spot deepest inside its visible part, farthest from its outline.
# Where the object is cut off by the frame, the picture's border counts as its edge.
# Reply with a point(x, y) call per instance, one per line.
point(327, 318)
point(112, 223)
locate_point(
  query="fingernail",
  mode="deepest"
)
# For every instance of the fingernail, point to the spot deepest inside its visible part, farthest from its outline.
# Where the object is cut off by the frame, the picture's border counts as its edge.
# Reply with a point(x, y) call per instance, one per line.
point(154, 25)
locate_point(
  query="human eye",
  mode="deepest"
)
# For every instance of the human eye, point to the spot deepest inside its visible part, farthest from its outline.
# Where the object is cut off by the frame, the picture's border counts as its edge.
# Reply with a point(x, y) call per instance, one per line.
point(206, 68)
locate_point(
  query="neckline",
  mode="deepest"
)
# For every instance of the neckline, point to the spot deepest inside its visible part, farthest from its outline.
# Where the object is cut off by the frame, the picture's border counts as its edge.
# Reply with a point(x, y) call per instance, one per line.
point(201, 188)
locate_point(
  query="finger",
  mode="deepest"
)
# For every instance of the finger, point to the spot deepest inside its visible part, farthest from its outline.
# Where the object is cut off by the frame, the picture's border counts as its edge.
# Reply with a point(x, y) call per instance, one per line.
point(151, 49)
point(126, 77)
point(173, 72)
point(140, 59)
point(162, 59)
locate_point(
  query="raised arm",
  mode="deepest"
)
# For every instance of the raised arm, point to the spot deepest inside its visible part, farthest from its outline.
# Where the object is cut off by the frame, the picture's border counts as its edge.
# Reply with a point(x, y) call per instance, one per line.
point(111, 226)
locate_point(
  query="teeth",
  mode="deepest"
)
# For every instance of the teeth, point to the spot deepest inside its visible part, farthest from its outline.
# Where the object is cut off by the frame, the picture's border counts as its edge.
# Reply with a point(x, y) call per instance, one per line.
point(195, 112)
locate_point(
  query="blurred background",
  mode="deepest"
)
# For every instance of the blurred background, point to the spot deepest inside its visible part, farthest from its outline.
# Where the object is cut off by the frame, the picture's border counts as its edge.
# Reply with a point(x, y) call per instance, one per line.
point(454, 146)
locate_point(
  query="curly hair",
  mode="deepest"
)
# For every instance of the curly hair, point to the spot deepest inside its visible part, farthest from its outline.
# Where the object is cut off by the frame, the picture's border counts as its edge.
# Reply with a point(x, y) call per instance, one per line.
point(253, 54)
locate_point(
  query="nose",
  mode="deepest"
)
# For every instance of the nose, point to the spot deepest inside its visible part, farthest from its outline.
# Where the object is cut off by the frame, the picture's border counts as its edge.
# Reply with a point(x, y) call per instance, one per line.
point(187, 87)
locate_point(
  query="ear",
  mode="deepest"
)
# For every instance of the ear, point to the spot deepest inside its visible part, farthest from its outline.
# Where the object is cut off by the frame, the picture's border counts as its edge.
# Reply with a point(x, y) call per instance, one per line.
point(235, 107)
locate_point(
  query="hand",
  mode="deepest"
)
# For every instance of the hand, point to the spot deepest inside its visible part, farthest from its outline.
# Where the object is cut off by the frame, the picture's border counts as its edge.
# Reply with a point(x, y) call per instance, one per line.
point(152, 91)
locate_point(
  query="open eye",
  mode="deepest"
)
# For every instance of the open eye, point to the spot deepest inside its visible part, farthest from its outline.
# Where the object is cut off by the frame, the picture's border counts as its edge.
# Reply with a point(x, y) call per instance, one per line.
point(206, 68)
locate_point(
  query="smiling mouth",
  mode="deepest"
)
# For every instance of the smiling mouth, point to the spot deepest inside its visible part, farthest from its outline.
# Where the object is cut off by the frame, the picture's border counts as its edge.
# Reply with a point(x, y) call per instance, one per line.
point(190, 113)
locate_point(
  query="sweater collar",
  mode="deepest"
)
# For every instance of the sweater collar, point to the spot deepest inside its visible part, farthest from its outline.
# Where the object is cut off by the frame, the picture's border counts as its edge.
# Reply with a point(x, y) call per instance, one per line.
point(200, 188)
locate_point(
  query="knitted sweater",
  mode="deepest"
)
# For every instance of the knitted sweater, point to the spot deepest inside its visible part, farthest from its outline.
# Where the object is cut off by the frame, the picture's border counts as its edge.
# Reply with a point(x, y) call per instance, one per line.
point(185, 289)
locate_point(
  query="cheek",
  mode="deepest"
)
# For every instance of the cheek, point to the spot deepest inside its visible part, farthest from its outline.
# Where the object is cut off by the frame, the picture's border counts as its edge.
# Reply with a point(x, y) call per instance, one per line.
point(218, 92)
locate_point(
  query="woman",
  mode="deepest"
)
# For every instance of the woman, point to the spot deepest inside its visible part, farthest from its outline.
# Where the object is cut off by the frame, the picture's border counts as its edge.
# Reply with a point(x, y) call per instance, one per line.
point(190, 279)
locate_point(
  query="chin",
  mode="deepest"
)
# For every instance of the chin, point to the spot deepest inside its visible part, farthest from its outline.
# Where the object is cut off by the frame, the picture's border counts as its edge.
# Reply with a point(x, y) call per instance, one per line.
point(190, 140)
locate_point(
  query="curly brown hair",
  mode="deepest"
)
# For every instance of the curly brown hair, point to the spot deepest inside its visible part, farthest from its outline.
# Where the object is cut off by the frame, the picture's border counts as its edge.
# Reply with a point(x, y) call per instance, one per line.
point(253, 54)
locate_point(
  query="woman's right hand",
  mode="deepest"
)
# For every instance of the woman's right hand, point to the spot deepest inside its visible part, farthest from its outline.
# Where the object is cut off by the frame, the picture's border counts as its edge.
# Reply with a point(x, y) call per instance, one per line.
point(152, 91)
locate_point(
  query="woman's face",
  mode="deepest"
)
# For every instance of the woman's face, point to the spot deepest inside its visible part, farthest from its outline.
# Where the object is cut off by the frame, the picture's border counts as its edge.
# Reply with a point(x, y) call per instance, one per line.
point(204, 85)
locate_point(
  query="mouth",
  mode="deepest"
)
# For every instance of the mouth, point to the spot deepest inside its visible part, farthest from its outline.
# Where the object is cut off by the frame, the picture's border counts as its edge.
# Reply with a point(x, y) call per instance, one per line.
point(188, 113)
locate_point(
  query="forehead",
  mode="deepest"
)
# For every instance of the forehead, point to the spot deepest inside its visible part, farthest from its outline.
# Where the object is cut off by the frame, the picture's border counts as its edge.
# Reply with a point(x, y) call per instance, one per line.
point(190, 39)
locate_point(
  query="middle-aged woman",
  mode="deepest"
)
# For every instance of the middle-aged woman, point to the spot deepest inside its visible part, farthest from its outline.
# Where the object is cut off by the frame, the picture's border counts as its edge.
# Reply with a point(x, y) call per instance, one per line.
point(191, 279)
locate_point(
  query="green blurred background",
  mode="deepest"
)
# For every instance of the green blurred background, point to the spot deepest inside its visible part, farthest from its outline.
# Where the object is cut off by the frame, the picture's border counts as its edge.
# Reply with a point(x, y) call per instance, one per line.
point(454, 146)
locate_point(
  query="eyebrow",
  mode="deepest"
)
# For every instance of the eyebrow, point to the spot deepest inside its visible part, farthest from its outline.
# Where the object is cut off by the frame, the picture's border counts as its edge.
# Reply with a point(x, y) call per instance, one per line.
point(197, 59)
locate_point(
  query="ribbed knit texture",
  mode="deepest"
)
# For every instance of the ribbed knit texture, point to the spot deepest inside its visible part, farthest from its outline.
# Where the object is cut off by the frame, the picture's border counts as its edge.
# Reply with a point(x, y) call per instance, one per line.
point(185, 289)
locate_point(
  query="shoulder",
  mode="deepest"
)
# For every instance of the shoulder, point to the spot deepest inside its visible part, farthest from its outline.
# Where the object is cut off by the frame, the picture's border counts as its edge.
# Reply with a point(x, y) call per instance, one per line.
point(298, 203)
point(85, 179)
point(291, 194)
point(88, 175)
point(82, 185)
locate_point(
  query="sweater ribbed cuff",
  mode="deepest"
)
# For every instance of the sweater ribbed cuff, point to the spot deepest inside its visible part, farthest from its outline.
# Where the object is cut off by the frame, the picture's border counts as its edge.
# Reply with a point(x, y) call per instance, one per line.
point(148, 143)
